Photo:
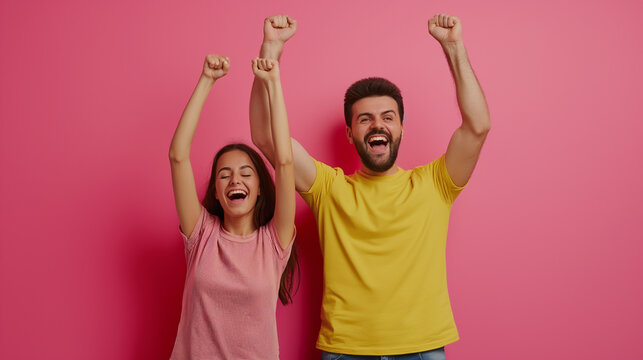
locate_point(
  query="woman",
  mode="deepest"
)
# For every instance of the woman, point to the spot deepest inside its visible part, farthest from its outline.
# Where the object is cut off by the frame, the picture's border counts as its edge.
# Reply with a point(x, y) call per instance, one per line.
point(238, 243)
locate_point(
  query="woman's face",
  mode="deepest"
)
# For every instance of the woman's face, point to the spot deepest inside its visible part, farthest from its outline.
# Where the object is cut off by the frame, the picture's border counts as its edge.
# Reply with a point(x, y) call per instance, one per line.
point(237, 184)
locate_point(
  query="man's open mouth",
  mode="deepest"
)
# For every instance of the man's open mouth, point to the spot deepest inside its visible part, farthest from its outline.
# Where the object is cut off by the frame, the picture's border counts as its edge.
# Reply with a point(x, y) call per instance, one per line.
point(378, 143)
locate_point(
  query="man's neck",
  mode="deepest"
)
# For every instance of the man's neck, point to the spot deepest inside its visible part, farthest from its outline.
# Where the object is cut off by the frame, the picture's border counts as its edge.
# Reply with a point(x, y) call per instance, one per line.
point(392, 170)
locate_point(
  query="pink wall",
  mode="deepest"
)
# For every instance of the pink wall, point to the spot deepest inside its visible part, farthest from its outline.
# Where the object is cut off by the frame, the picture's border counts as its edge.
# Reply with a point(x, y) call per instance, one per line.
point(545, 248)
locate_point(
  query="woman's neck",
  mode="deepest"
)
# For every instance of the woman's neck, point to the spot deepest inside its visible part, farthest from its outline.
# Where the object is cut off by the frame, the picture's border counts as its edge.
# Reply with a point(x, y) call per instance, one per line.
point(242, 226)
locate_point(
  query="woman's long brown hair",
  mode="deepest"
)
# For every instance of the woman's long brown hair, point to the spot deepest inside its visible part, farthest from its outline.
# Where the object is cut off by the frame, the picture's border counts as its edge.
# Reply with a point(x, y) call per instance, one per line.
point(263, 211)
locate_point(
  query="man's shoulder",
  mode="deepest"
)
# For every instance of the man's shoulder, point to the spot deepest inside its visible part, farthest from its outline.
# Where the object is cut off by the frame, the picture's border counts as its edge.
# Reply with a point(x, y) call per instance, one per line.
point(328, 169)
point(428, 167)
point(426, 173)
point(326, 179)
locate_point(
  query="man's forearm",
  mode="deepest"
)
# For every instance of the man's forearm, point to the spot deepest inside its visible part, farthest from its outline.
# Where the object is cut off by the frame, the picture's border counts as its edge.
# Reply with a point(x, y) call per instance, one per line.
point(471, 100)
point(277, 30)
point(271, 50)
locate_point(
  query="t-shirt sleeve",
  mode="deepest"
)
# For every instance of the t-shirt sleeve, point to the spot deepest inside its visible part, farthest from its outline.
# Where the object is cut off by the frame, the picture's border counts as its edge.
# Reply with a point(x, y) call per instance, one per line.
point(274, 238)
point(321, 185)
point(442, 181)
point(206, 222)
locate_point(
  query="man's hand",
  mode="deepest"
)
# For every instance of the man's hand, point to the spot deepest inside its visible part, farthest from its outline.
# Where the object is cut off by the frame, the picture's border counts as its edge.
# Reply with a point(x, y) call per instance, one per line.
point(446, 29)
point(265, 69)
point(278, 29)
point(215, 66)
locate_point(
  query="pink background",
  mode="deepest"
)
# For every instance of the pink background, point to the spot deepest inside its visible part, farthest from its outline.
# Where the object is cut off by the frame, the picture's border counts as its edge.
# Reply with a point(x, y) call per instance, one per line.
point(545, 246)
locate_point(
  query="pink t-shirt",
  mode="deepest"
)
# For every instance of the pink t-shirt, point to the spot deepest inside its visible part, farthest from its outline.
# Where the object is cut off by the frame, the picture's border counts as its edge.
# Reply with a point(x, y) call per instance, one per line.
point(231, 292)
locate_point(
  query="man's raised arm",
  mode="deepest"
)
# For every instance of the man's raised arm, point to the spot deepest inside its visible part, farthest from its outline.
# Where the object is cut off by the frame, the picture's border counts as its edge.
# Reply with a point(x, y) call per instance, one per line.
point(466, 142)
point(276, 31)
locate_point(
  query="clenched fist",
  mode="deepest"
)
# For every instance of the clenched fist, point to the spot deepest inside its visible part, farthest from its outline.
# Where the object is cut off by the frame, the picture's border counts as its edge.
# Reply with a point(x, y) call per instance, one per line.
point(445, 28)
point(216, 66)
point(265, 69)
point(279, 28)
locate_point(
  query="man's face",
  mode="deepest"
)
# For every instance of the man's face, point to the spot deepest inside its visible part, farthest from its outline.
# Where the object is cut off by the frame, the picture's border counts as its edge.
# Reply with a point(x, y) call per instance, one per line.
point(376, 131)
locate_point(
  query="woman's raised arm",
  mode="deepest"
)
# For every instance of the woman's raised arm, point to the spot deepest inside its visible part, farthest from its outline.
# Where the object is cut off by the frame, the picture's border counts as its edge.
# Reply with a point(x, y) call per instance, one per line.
point(185, 195)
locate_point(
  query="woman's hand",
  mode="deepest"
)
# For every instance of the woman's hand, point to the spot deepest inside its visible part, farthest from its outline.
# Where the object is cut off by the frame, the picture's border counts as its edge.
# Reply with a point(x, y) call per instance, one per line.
point(215, 66)
point(265, 69)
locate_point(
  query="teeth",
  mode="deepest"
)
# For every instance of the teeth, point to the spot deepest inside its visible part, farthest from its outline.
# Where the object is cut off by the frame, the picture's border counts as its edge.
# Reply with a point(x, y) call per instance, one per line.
point(234, 192)
point(378, 138)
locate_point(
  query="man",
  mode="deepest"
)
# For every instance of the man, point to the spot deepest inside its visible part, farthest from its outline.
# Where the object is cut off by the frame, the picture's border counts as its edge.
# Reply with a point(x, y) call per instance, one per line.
point(383, 229)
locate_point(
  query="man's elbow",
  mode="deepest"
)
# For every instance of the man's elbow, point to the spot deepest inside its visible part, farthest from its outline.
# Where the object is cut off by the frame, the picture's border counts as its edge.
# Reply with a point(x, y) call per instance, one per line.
point(479, 128)
point(483, 129)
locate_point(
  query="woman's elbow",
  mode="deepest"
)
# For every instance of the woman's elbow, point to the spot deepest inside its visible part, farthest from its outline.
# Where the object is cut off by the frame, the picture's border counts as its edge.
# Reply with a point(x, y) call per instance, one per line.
point(284, 160)
point(177, 156)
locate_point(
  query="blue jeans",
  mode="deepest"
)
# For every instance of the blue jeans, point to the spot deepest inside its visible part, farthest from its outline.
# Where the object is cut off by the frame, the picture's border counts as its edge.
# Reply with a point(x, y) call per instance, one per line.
point(437, 354)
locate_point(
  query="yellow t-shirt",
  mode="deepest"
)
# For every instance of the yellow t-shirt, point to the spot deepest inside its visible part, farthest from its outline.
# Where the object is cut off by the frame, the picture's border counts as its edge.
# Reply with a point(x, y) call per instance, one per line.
point(383, 239)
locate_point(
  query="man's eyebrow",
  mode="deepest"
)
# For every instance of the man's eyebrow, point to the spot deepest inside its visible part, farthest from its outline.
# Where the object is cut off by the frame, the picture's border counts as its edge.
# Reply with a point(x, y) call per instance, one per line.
point(364, 113)
point(382, 113)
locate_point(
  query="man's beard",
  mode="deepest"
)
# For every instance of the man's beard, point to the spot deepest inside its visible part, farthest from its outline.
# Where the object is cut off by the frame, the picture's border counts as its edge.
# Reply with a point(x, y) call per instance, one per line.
point(368, 160)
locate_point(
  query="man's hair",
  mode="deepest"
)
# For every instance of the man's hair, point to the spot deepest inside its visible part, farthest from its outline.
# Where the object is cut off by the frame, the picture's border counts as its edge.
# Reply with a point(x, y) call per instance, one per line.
point(372, 86)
